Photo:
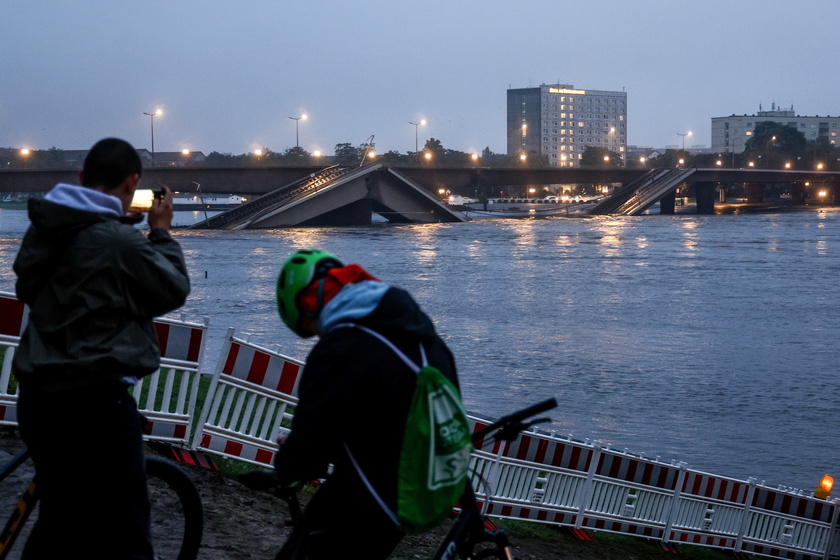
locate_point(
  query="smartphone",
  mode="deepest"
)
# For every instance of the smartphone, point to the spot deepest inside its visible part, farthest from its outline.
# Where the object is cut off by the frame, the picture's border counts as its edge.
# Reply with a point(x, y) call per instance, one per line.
point(158, 194)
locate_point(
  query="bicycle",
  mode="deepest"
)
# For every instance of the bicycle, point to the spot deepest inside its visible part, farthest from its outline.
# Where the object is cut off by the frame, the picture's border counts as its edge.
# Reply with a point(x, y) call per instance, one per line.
point(177, 513)
point(471, 528)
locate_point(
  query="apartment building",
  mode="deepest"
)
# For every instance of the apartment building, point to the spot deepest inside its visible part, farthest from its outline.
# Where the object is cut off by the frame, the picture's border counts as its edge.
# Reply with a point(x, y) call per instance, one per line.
point(559, 121)
point(730, 134)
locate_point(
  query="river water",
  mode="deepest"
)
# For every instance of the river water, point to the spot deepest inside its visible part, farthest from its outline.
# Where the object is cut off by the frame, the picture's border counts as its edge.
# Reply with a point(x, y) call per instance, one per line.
point(706, 339)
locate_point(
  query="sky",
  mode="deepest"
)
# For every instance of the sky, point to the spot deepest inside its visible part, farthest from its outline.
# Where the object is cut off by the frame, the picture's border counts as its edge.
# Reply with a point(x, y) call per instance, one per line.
point(227, 76)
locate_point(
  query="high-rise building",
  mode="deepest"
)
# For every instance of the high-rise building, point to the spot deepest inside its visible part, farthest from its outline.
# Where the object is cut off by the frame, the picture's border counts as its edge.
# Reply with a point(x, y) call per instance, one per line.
point(730, 134)
point(560, 122)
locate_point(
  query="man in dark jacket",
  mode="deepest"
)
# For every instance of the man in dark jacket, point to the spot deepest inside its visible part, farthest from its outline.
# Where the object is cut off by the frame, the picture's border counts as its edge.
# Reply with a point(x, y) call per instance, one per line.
point(93, 283)
point(355, 394)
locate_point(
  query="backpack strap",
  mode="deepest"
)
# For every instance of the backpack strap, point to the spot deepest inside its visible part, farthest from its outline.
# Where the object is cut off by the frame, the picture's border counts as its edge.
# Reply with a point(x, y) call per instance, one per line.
point(408, 361)
point(416, 369)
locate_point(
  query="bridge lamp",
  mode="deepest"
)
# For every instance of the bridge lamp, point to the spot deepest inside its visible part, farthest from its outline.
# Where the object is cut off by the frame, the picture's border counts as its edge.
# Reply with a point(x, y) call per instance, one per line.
point(684, 134)
point(823, 491)
point(25, 151)
point(523, 157)
point(185, 152)
point(297, 128)
point(787, 166)
point(152, 123)
point(428, 156)
point(317, 153)
point(682, 161)
point(819, 166)
point(822, 194)
point(416, 142)
point(751, 164)
point(258, 152)
point(719, 163)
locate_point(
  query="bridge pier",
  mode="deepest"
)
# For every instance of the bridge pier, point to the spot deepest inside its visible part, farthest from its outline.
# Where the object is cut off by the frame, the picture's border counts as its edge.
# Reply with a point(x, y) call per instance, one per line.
point(755, 192)
point(704, 194)
point(668, 203)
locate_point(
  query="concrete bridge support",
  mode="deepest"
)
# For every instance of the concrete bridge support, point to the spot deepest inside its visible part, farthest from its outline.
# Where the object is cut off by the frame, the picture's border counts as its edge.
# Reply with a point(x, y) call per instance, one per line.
point(667, 203)
point(704, 193)
point(755, 192)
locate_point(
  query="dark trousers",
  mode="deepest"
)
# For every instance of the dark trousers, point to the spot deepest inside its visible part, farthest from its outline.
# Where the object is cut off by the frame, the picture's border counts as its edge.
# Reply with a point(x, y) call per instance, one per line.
point(338, 519)
point(88, 452)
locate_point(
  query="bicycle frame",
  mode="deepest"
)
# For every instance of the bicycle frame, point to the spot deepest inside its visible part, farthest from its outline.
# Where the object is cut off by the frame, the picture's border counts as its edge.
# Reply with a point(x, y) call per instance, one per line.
point(469, 529)
point(25, 505)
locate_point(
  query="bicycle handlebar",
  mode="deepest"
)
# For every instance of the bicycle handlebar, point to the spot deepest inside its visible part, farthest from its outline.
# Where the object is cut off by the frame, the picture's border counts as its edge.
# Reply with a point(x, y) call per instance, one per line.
point(513, 422)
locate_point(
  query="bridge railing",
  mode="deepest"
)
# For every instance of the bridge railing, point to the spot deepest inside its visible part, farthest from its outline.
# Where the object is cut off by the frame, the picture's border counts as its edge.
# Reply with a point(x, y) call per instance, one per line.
point(247, 212)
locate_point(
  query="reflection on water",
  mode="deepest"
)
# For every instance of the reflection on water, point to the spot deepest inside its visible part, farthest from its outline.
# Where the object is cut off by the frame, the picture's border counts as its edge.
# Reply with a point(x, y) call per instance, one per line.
point(708, 339)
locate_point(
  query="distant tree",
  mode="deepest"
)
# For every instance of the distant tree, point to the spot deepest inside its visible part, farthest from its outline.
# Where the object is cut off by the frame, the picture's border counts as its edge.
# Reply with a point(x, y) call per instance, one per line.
point(296, 155)
point(392, 157)
point(217, 158)
point(821, 151)
point(434, 147)
point(773, 144)
point(597, 157)
point(347, 154)
point(671, 158)
point(490, 159)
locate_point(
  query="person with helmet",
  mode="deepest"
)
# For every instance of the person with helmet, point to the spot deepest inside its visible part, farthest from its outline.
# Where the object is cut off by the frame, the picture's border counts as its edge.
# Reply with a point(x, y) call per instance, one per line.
point(354, 396)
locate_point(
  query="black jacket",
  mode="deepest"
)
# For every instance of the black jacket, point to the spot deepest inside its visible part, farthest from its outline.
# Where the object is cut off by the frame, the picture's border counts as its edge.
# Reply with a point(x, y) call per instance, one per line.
point(355, 390)
point(94, 284)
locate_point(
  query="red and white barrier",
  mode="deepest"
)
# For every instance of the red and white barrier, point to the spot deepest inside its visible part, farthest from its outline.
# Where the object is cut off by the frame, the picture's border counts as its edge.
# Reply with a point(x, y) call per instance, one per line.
point(537, 477)
point(167, 398)
point(13, 316)
point(248, 403)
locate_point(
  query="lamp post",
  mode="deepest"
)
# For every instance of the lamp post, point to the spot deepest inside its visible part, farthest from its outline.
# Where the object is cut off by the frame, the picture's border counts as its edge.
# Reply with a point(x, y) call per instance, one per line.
point(684, 134)
point(416, 142)
point(152, 122)
point(297, 131)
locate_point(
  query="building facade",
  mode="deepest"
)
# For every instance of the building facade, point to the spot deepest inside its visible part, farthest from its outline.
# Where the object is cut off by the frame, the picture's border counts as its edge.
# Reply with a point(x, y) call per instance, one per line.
point(730, 134)
point(559, 122)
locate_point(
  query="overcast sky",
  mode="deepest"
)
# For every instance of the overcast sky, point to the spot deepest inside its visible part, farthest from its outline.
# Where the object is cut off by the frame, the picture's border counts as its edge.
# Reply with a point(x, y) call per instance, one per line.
point(228, 75)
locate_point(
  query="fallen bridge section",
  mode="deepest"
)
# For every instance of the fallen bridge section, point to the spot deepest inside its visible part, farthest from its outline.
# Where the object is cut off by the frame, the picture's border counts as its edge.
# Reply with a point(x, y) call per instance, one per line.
point(644, 192)
point(338, 196)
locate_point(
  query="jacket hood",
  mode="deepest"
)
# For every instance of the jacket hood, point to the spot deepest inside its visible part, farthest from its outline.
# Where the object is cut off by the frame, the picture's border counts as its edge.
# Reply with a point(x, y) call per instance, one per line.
point(378, 306)
point(67, 208)
point(83, 198)
point(56, 220)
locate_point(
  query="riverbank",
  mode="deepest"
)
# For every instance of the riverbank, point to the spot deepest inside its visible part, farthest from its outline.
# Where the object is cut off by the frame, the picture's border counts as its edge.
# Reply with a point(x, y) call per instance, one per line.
point(241, 524)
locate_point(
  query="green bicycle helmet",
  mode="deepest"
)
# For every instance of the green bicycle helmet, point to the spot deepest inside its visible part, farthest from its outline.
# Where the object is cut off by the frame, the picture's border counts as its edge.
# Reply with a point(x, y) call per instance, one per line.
point(298, 272)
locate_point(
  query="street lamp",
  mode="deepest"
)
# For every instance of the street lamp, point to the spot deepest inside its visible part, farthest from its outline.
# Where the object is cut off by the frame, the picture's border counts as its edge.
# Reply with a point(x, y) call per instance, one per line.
point(152, 122)
point(684, 134)
point(297, 131)
point(416, 143)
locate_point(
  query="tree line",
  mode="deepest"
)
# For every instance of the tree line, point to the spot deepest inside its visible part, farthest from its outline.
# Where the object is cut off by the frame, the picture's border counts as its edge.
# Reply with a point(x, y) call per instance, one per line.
point(771, 146)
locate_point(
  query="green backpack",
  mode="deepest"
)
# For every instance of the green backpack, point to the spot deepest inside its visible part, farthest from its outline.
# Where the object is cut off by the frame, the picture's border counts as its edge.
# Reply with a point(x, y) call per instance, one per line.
point(435, 455)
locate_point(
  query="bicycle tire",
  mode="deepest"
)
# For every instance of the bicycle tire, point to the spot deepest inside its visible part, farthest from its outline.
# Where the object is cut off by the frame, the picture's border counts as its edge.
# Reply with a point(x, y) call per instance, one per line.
point(177, 513)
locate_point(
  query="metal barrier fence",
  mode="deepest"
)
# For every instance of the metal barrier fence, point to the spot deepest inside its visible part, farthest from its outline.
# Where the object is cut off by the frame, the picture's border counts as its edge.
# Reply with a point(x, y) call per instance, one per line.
point(167, 398)
point(539, 477)
point(248, 403)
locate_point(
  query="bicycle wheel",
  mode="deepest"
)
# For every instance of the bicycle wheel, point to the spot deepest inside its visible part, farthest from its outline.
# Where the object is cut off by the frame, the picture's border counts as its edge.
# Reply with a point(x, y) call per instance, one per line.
point(177, 514)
